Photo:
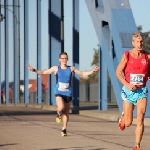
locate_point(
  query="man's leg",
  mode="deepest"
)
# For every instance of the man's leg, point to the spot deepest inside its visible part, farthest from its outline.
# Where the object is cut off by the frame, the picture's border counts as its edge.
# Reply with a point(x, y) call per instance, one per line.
point(65, 118)
point(60, 104)
point(128, 113)
point(127, 116)
point(141, 108)
point(66, 114)
point(60, 107)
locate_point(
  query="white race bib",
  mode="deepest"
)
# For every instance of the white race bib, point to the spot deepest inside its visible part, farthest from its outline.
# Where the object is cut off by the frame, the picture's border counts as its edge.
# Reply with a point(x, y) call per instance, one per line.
point(63, 86)
point(137, 79)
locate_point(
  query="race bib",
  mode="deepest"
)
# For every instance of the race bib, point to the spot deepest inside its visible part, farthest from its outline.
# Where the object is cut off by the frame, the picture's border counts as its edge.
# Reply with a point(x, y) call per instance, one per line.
point(63, 86)
point(137, 79)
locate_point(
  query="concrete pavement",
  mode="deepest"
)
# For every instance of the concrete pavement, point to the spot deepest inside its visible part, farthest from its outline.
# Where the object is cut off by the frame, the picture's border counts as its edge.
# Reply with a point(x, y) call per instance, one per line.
point(88, 109)
point(33, 128)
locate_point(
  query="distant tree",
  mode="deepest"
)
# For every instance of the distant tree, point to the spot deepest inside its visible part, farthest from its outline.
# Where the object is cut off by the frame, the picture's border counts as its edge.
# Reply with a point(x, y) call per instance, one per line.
point(92, 77)
point(139, 28)
point(147, 41)
point(95, 57)
point(146, 38)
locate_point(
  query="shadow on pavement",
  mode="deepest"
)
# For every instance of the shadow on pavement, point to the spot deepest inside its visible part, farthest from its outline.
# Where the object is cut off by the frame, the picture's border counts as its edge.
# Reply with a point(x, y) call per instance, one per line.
point(1, 145)
point(94, 106)
point(75, 148)
point(26, 113)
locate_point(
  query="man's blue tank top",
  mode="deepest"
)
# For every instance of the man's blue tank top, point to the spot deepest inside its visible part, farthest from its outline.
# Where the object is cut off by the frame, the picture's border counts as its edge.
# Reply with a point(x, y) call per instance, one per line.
point(63, 82)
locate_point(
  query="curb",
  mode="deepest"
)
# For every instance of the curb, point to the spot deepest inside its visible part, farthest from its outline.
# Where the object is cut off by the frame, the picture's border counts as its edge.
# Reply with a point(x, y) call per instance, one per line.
point(109, 115)
point(106, 115)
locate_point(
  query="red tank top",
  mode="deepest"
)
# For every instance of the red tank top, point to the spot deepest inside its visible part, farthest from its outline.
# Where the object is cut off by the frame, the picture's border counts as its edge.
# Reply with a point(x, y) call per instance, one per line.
point(136, 69)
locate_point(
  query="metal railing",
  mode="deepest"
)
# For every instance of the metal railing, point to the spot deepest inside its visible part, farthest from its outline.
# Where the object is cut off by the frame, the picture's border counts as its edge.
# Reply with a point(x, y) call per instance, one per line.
point(88, 92)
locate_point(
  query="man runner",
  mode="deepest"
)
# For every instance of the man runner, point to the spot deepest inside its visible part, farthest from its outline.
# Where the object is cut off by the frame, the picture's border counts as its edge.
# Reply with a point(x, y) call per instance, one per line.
point(63, 88)
point(133, 72)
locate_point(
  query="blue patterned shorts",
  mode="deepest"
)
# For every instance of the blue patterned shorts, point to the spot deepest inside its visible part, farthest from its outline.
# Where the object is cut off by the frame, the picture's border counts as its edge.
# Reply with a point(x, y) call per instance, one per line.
point(133, 96)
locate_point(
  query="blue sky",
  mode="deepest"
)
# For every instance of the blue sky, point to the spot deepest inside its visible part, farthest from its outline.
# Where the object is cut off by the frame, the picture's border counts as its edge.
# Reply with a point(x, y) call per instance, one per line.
point(141, 13)
point(88, 38)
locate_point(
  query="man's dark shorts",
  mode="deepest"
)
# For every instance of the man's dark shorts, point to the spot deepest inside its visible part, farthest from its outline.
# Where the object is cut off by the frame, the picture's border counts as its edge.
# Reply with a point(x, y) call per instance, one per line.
point(66, 99)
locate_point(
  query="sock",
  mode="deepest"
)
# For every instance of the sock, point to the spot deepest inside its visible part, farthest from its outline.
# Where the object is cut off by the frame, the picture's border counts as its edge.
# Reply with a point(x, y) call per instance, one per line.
point(63, 128)
point(59, 113)
point(137, 144)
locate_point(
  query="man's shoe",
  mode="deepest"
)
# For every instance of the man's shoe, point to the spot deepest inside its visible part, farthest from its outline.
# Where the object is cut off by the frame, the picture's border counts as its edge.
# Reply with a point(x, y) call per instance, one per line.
point(64, 132)
point(136, 148)
point(121, 123)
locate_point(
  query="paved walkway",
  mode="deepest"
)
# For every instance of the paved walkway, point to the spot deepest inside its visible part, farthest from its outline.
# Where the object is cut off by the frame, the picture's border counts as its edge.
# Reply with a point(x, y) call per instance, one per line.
point(33, 127)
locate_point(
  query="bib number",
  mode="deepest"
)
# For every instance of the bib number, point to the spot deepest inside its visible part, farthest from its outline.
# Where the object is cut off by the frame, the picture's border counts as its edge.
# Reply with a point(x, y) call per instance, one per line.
point(137, 79)
point(63, 86)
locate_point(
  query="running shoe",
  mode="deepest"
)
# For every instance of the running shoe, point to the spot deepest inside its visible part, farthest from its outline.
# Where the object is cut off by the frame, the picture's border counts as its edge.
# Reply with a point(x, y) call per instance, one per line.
point(64, 132)
point(121, 123)
point(59, 119)
point(136, 148)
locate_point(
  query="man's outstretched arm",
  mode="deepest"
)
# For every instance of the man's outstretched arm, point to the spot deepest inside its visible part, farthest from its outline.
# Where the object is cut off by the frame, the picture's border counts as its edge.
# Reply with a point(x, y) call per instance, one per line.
point(46, 71)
